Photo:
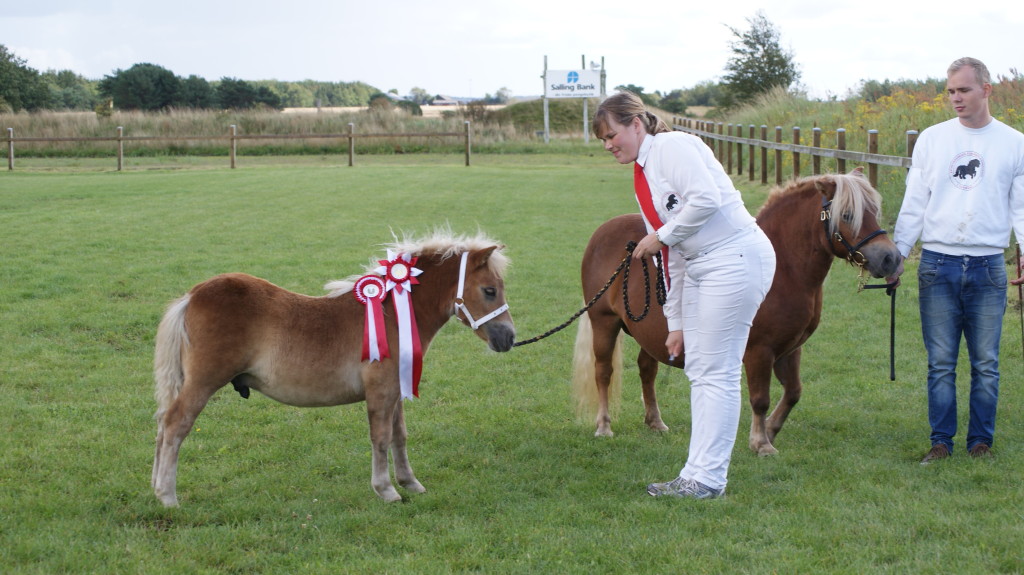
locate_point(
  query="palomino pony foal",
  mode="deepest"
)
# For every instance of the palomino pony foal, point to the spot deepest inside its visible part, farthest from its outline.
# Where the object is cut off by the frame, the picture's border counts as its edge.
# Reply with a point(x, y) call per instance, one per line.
point(308, 351)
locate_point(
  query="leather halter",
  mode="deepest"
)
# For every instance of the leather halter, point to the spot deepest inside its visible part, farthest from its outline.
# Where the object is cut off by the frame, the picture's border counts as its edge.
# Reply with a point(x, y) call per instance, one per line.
point(853, 253)
point(460, 303)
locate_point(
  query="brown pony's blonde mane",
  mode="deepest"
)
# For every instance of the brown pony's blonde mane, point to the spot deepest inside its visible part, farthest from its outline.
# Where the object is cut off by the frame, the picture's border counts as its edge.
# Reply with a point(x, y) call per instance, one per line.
point(854, 196)
point(442, 243)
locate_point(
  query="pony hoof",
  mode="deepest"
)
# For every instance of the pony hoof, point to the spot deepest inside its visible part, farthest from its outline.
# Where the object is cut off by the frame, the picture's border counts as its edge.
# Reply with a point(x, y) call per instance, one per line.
point(767, 451)
point(171, 501)
point(389, 495)
point(414, 487)
point(658, 426)
point(604, 433)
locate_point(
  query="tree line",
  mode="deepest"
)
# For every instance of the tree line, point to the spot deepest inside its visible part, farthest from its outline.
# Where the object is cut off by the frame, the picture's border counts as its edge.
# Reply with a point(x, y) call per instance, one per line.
point(150, 87)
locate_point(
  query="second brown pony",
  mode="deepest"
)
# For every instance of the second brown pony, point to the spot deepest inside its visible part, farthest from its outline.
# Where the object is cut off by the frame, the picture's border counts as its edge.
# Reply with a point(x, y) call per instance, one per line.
point(810, 222)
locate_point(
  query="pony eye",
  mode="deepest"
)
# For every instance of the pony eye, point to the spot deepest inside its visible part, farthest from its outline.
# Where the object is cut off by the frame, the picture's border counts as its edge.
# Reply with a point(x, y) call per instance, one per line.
point(490, 292)
point(847, 217)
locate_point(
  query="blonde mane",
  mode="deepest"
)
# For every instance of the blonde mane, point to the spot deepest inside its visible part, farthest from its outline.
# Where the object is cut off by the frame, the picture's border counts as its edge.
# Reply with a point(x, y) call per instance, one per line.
point(442, 243)
point(854, 196)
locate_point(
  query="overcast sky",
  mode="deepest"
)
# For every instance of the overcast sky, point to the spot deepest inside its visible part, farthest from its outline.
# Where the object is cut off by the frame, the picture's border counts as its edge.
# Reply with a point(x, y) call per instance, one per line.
point(476, 47)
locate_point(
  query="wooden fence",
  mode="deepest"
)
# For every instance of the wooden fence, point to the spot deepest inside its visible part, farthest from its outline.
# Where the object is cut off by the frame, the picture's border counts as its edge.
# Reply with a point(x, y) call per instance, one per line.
point(233, 137)
point(728, 143)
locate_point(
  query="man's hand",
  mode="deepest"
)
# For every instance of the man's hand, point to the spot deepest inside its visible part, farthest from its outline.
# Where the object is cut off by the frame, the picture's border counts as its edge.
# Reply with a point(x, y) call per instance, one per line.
point(1018, 280)
point(895, 277)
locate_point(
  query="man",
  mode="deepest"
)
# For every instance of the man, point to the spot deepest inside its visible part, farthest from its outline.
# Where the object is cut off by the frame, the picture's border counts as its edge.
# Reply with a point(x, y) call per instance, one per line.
point(965, 191)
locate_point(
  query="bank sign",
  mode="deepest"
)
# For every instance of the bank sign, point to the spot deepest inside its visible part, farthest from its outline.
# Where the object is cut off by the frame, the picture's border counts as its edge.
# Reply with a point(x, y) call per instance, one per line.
point(572, 84)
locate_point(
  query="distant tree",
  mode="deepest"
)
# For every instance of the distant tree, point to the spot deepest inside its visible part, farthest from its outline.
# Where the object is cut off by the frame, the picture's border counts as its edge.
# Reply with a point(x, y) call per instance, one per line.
point(648, 99)
point(674, 101)
point(758, 63)
point(142, 87)
point(707, 93)
point(197, 93)
point(502, 96)
point(69, 91)
point(413, 108)
point(419, 96)
point(21, 87)
point(235, 94)
point(266, 97)
point(873, 90)
point(380, 101)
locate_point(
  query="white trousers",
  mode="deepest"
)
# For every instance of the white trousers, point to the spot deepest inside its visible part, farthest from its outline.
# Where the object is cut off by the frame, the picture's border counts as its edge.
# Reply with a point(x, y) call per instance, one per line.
point(722, 291)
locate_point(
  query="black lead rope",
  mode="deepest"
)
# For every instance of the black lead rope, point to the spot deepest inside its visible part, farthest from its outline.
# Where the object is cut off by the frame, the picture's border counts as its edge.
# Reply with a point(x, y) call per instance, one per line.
point(890, 290)
point(623, 268)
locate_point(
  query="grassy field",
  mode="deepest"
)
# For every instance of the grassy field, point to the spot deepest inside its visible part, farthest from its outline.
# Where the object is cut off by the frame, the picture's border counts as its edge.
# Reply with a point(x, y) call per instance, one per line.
point(516, 484)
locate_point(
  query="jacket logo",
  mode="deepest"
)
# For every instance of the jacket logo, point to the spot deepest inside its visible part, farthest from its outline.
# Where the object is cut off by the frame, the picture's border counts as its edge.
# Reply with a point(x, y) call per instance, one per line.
point(966, 171)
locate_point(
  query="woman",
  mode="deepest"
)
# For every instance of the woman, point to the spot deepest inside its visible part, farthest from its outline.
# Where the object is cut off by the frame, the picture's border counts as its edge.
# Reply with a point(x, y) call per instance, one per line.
point(720, 267)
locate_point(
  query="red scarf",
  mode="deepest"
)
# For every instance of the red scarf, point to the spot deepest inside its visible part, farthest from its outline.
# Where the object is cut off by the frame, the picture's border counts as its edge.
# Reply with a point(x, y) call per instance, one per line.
point(646, 201)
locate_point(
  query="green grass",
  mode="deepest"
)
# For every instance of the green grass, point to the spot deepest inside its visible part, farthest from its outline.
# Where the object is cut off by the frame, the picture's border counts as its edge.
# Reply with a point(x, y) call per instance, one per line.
point(516, 484)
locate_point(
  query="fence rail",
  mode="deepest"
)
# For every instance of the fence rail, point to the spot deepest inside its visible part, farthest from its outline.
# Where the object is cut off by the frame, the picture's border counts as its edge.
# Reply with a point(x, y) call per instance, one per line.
point(728, 142)
point(233, 137)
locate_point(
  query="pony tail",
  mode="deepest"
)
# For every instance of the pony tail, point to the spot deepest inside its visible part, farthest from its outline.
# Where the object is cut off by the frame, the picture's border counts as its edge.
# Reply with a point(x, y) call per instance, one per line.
point(171, 340)
point(655, 125)
point(584, 385)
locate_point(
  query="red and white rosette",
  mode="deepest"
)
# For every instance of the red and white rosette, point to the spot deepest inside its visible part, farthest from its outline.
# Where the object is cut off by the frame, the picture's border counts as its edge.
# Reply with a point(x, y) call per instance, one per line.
point(369, 290)
point(400, 274)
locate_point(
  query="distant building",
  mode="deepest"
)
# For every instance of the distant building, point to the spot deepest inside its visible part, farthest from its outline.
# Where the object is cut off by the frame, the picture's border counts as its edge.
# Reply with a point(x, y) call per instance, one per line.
point(440, 100)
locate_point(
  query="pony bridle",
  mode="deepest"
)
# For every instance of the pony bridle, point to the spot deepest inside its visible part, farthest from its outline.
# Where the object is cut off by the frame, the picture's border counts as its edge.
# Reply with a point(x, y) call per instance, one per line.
point(853, 254)
point(460, 304)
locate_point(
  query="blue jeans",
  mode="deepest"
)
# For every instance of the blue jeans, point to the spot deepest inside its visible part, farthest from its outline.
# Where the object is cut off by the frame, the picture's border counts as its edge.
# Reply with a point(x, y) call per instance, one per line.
point(962, 296)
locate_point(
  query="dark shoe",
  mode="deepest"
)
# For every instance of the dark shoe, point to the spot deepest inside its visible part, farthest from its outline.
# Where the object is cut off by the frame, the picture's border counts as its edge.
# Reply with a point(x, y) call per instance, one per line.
point(938, 451)
point(680, 487)
point(980, 450)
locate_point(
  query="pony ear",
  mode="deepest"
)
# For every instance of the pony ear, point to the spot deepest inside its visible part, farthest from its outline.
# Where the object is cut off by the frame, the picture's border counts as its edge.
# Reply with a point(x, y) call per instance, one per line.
point(826, 185)
point(858, 171)
point(480, 257)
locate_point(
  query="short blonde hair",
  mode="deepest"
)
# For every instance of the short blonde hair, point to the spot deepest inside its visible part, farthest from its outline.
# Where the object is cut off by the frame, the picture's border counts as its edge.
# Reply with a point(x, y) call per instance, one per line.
point(980, 69)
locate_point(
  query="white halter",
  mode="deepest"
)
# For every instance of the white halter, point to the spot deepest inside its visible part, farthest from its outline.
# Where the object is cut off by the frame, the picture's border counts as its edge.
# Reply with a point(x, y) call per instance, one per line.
point(474, 323)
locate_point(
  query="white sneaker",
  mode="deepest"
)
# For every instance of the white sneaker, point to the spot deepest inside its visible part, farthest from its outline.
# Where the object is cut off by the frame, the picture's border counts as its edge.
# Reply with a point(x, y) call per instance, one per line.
point(680, 487)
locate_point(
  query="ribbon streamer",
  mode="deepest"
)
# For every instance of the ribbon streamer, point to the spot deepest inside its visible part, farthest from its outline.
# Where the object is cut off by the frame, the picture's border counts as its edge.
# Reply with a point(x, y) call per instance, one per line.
point(369, 290)
point(400, 271)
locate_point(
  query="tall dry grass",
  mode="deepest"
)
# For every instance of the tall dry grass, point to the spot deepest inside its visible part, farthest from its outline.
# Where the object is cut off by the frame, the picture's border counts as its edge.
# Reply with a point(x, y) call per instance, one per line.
point(189, 132)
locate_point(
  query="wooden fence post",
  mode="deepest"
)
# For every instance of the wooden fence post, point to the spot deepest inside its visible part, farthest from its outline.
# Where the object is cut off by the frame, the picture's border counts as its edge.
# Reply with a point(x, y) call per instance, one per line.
point(841, 145)
point(233, 147)
point(750, 153)
point(911, 142)
point(739, 151)
point(351, 144)
point(10, 149)
point(873, 149)
point(120, 148)
point(778, 156)
point(764, 155)
point(468, 138)
point(721, 142)
point(796, 155)
point(728, 151)
point(816, 159)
